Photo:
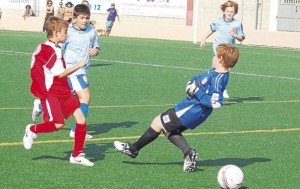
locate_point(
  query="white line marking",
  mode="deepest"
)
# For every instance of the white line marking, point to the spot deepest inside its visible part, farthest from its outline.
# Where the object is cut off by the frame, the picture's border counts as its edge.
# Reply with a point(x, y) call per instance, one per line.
point(163, 66)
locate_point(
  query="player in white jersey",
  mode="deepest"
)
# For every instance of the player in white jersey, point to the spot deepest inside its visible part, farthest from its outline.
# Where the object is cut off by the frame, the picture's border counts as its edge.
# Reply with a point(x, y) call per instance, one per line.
point(227, 29)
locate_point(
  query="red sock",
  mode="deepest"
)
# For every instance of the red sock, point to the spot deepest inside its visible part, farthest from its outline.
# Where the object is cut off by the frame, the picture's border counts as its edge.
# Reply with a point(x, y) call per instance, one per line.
point(46, 127)
point(80, 132)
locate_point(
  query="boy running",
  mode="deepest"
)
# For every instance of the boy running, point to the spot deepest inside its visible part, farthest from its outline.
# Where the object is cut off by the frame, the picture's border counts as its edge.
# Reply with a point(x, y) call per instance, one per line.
point(227, 29)
point(49, 83)
point(204, 93)
point(82, 44)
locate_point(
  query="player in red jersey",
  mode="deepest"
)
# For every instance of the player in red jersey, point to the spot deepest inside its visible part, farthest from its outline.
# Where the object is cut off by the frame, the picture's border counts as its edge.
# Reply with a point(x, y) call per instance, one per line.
point(49, 83)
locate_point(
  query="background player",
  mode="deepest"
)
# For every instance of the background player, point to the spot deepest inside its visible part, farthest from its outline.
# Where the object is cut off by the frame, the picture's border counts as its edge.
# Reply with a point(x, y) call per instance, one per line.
point(111, 18)
point(227, 29)
point(204, 93)
point(49, 83)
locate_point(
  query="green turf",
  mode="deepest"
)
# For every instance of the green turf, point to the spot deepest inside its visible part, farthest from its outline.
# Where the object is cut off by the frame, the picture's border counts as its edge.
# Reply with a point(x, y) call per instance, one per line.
point(132, 81)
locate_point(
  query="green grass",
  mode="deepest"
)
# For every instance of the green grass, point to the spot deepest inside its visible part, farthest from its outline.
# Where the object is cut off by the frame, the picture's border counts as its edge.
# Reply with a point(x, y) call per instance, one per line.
point(132, 81)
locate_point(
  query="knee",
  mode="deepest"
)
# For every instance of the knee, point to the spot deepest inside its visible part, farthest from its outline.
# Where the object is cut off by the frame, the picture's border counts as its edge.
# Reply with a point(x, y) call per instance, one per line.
point(59, 126)
point(81, 121)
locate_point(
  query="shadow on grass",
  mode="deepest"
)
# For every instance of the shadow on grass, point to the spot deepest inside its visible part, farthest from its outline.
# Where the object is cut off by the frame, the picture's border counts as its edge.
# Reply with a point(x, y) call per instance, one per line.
point(96, 65)
point(93, 152)
point(240, 162)
point(96, 129)
point(237, 100)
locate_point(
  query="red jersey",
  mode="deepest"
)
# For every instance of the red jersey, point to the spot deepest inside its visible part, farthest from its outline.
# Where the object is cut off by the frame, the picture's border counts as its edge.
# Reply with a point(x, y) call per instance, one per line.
point(47, 63)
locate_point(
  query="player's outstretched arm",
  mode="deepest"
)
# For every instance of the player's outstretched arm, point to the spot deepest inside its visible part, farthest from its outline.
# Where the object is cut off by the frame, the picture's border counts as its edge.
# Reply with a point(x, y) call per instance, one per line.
point(68, 71)
point(203, 41)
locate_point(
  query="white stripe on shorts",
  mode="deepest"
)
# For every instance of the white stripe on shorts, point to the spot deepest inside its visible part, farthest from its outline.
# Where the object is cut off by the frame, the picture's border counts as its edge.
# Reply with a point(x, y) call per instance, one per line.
point(75, 84)
point(49, 111)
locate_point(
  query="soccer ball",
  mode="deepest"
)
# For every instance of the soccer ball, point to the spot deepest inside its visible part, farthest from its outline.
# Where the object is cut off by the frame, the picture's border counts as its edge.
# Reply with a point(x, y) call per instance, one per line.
point(230, 177)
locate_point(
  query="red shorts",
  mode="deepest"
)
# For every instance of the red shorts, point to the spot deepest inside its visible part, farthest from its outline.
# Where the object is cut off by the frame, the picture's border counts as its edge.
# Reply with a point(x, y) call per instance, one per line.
point(59, 108)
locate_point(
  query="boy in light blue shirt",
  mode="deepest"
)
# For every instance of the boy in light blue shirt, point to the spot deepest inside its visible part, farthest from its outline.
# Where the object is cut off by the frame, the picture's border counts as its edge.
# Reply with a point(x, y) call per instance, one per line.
point(227, 29)
point(82, 43)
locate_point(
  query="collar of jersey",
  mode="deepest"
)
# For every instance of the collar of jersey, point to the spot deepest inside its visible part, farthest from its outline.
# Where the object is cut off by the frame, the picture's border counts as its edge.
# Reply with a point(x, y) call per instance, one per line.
point(228, 20)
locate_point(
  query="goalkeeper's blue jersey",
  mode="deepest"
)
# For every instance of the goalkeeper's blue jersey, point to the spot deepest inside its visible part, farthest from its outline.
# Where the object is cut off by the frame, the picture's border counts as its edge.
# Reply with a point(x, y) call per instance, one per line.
point(77, 45)
point(192, 112)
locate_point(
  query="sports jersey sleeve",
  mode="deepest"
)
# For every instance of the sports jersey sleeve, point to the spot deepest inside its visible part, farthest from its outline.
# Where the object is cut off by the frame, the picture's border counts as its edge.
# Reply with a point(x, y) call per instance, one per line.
point(240, 31)
point(213, 26)
point(210, 90)
point(55, 64)
point(95, 41)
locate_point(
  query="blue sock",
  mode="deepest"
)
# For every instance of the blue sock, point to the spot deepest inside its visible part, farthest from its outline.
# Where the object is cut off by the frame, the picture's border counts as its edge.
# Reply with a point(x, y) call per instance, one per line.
point(84, 108)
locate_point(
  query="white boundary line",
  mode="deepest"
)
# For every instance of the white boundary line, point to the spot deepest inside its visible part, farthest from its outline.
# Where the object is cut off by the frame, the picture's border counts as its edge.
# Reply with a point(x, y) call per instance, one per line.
point(160, 105)
point(161, 66)
point(187, 68)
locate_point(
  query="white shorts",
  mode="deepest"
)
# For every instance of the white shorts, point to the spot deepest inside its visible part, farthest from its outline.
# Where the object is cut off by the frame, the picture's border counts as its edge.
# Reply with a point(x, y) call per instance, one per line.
point(78, 82)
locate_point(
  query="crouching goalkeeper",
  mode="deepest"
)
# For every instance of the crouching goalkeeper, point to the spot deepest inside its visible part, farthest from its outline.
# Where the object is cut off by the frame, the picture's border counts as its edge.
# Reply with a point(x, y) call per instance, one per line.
point(203, 94)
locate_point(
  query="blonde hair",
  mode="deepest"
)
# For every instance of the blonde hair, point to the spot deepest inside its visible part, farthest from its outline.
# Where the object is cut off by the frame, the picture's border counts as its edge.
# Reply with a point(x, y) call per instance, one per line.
point(229, 53)
point(230, 4)
point(55, 24)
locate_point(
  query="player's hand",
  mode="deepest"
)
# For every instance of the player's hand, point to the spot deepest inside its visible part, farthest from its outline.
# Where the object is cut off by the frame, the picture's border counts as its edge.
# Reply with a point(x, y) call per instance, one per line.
point(81, 63)
point(192, 88)
point(202, 44)
point(232, 32)
point(93, 52)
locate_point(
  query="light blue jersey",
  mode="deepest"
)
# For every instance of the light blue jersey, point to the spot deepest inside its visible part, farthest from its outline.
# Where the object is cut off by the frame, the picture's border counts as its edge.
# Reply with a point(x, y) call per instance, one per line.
point(77, 45)
point(191, 112)
point(222, 28)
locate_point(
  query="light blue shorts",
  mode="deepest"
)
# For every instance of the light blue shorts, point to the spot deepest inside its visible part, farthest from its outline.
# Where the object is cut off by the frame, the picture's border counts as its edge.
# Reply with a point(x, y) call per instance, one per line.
point(109, 25)
point(78, 82)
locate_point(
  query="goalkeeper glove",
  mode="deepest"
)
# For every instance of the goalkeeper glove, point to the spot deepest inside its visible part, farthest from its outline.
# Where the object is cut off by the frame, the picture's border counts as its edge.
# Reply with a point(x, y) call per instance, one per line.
point(192, 88)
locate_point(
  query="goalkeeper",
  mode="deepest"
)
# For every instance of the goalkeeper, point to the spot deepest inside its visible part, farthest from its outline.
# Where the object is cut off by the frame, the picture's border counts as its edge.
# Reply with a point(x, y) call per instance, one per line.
point(203, 94)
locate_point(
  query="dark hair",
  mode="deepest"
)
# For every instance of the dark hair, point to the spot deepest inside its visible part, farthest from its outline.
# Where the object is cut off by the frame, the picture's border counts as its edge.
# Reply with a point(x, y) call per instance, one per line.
point(49, 1)
point(69, 3)
point(28, 6)
point(81, 9)
point(85, 2)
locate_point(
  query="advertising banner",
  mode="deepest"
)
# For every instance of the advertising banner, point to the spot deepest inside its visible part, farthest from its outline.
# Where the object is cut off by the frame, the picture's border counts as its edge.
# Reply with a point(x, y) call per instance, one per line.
point(157, 8)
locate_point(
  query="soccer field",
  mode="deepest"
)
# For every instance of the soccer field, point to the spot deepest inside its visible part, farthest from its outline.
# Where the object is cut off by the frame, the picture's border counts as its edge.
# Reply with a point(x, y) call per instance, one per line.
point(131, 82)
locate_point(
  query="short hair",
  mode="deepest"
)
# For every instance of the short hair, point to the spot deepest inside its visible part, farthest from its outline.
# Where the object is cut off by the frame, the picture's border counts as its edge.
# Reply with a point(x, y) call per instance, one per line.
point(28, 6)
point(230, 4)
point(49, 1)
point(55, 24)
point(229, 53)
point(85, 2)
point(81, 9)
point(69, 3)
